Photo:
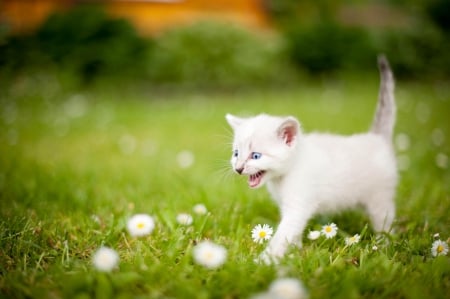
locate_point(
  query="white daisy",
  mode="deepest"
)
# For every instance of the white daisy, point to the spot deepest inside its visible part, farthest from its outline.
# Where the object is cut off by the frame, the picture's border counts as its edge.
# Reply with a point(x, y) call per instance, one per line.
point(266, 295)
point(374, 247)
point(441, 160)
point(105, 259)
point(76, 106)
point(438, 136)
point(96, 219)
point(439, 248)
point(127, 144)
point(423, 112)
point(200, 209)
point(261, 233)
point(288, 288)
point(329, 230)
point(402, 142)
point(184, 219)
point(140, 225)
point(185, 159)
point(352, 240)
point(209, 254)
point(314, 235)
point(403, 162)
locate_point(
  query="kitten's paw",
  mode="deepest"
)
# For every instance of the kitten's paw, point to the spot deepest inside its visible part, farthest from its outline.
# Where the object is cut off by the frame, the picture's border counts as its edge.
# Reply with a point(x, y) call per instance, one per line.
point(383, 239)
point(268, 258)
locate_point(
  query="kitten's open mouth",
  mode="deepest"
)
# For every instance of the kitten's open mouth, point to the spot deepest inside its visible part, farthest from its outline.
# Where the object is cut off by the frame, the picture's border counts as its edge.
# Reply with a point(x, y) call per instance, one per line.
point(255, 179)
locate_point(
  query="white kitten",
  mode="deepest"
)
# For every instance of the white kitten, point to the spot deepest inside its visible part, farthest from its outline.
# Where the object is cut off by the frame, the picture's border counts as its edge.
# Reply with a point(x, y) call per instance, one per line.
point(311, 173)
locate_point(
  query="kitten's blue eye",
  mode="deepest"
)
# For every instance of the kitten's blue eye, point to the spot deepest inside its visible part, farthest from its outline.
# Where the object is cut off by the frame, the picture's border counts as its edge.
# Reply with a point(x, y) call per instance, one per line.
point(235, 153)
point(256, 156)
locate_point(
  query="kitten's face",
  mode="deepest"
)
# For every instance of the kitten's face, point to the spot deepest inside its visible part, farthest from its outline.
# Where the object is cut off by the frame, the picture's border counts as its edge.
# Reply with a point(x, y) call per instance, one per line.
point(262, 146)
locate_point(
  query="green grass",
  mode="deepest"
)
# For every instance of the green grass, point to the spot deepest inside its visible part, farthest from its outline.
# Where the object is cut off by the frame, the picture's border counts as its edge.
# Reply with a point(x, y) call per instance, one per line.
point(75, 166)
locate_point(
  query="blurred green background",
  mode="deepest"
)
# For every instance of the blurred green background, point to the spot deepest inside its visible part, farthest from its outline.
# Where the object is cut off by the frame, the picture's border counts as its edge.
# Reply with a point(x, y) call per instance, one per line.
point(306, 38)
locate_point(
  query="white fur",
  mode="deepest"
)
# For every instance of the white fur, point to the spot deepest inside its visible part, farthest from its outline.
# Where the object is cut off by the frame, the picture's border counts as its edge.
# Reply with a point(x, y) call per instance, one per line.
point(315, 173)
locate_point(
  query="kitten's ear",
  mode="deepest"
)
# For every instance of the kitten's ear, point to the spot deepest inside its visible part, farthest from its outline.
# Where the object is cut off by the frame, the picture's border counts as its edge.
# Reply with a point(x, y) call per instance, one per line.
point(234, 121)
point(289, 130)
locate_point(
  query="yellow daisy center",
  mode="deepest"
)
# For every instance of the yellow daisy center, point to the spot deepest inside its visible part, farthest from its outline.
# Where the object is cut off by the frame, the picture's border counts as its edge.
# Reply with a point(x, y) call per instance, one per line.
point(440, 248)
point(262, 234)
point(140, 225)
point(209, 256)
point(328, 229)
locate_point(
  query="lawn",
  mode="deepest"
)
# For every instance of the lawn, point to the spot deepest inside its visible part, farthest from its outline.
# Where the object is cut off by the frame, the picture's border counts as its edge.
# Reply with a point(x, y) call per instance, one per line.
point(75, 166)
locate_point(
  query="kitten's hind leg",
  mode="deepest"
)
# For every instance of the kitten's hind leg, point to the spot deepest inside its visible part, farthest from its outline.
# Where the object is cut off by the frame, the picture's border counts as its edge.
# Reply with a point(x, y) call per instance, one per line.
point(381, 210)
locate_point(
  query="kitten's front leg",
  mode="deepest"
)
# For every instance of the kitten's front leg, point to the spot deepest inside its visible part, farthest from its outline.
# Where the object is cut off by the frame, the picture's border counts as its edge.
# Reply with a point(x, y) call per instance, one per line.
point(289, 232)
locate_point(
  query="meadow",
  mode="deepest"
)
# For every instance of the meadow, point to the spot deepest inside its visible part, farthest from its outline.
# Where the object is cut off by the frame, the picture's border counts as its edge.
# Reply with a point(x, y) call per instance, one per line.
point(76, 165)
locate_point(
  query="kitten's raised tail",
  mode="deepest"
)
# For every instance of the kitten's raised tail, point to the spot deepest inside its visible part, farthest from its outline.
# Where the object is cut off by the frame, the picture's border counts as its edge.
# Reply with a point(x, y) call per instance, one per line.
point(384, 120)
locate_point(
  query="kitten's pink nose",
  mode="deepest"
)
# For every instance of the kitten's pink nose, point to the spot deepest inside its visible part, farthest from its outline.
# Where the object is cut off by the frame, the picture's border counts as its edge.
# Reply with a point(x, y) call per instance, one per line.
point(240, 170)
